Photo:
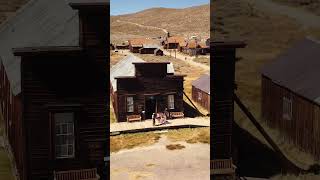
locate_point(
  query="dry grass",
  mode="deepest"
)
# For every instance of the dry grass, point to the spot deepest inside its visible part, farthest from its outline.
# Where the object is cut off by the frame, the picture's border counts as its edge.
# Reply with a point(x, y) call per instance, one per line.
point(190, 135)
point(115, 57)
point(129, 141)
point(312, 6)
point(175, 146)
point(203, 60)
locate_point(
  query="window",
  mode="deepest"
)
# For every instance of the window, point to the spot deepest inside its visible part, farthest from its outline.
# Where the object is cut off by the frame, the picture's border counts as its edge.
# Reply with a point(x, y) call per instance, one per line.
point(130, 104)
point(64, 135)
point(199, 96)
point(171, 101)
point(287, 108)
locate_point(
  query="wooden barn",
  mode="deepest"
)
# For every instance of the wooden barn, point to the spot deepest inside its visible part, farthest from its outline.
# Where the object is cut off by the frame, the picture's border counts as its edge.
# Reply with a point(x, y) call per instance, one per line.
point(148, 48)
point(291, 95)
point(124, 45)
point(173, 42)
point(52, 90)
point(138, 86)
point(158, 52)
point(201, 91)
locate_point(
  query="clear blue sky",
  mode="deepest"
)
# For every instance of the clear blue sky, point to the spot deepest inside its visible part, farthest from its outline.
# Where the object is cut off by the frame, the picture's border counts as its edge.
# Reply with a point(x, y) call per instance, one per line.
point(118, 7)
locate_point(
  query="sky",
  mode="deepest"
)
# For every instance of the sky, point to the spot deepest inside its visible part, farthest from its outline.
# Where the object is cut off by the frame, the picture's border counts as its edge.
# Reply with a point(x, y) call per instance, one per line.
point(118, 7)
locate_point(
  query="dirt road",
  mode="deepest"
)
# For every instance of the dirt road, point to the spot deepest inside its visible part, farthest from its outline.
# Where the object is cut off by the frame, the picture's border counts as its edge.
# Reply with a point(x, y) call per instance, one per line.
point(157, 162)
point(144, 26)
point(305, 18)
point(186, 59)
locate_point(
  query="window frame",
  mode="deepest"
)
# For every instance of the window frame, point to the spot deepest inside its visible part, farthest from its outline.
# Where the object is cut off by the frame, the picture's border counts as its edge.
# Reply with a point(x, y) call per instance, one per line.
point(78, 112)
point(171, 102)
point(73, 134)
point(199, 95)
point(287, 108)
point(127, 105)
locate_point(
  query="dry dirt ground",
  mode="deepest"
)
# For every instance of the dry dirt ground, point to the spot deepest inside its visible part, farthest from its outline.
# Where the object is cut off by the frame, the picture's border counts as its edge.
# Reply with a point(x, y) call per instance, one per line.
point(157, 162)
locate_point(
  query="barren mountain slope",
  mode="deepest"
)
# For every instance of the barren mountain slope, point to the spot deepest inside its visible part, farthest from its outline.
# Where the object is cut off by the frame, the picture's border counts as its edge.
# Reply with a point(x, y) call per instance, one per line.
point(188, 21)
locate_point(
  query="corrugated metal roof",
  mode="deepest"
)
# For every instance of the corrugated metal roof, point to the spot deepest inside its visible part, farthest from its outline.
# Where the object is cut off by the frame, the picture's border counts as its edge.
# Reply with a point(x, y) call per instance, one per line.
point(203, 83)
point(151, 46)
point(126, 68)
point(298, 69)
point(38, 23)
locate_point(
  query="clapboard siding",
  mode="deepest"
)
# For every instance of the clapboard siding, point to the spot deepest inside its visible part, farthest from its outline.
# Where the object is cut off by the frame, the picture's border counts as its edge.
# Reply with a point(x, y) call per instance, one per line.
point(204, 101)
point(303, 129)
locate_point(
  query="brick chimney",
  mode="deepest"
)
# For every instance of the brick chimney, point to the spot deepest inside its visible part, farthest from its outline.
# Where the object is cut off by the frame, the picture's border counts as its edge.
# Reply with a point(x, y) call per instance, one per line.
point(93, 20)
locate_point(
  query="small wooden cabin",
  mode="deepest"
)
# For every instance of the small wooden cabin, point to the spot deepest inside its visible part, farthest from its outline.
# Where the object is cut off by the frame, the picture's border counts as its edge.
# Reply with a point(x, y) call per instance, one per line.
point(148, 48)
point(136, 44)
point(124, 45)
point(201, 91)
point(173, 42)
point(52, 87)
point(158, 52)
point(291, 95)
point(138, 86)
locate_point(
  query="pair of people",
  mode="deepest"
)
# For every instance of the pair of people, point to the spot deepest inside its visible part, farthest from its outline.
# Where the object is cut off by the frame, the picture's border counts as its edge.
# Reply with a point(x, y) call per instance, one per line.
point(161, 117)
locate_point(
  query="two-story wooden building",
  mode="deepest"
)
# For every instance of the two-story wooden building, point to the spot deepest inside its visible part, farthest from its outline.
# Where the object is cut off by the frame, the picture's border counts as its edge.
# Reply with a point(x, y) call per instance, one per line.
point(53, 90)
point(138, 86)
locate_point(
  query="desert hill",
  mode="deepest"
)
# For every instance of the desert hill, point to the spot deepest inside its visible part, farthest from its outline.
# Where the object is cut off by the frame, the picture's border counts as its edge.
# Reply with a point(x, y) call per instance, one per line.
point(188, 21)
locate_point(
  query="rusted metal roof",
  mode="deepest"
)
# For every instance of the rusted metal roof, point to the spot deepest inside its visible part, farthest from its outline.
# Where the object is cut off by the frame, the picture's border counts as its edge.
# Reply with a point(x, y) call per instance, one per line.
point(203, 83)
point(38, 23)
point(298, 69)
point(126, 68)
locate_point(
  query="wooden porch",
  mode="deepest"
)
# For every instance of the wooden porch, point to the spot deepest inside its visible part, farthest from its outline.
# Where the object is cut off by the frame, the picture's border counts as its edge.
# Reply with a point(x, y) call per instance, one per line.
point(125, 127)
point(222, 167)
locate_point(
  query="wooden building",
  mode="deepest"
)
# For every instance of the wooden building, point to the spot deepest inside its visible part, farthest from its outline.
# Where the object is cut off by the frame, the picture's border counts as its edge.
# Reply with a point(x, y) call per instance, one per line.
point(124, 45)
point(112, 47)
point(138, 86)
point(158, 52)
point(148, 48)
point(173, 42)
point(201, 91)
point(223, 79)
point(52, 87)
point(194, 47)
point(291, 96)
point(136, 44)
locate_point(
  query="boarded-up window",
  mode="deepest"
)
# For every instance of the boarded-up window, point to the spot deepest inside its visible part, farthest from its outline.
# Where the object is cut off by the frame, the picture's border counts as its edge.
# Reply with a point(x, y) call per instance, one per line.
point(171, 101)
point(287, 108)
point(130, 104)
point(64, 135)
point(199, 96)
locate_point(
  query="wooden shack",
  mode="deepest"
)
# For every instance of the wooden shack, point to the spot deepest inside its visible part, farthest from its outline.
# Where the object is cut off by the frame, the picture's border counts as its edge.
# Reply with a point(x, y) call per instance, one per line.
point(291, 96)
point(124, 45)
point(201, 91)
point(53, 94)
point(173, 42)
point(136, 44)
point(138, 86)
point(148, 48)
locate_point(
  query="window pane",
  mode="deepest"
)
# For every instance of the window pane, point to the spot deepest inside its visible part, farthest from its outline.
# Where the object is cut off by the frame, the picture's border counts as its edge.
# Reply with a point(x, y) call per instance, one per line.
point(64, 150)
point(70, 150)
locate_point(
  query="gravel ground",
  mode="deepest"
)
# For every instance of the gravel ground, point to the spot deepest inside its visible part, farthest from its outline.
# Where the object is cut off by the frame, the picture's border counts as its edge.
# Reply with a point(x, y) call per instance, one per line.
point(156, 162)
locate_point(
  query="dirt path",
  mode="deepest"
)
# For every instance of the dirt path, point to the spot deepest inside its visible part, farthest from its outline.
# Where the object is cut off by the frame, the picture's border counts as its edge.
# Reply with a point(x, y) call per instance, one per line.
point(157, 162)
point(187, 59)
point(144, 26)
point(305, 18)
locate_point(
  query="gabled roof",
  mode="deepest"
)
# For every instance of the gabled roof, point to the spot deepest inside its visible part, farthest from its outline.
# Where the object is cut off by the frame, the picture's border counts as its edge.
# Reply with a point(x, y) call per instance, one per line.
point(298, 69)
point(38, 23)
point(175, 39)
point(126, 68)
point(203, 83)
point(141, 41)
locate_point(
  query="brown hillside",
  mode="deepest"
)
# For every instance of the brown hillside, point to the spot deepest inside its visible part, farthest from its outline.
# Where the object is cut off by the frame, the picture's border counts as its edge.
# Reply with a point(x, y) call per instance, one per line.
point(187, 22)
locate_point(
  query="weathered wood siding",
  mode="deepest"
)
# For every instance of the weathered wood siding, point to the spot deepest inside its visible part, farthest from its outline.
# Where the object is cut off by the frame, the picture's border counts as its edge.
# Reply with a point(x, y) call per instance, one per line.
point(303, 129)
point(12, 114)
point(205, 98)
point(139, 87)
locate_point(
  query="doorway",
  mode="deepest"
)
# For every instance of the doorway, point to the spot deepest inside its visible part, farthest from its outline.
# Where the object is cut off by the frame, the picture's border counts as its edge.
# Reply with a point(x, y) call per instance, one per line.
point(150, 106)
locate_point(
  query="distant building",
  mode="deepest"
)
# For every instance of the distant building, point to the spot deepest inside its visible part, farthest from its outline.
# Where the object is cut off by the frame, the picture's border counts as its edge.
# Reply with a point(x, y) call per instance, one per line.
point(158, 52)
point(124, 45)
point(148, 48)
point(138, 86)
point(291, 95)
point(136, 44)
point(173, 42)
point(201, 91)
